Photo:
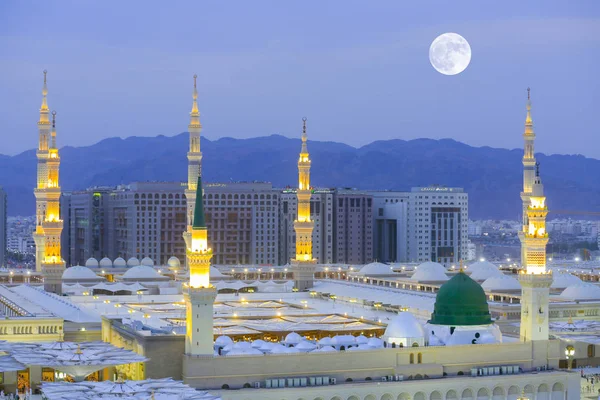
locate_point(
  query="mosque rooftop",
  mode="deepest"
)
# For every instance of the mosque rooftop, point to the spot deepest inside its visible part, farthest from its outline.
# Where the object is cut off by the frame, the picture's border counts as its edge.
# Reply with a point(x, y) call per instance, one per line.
point(158, 389)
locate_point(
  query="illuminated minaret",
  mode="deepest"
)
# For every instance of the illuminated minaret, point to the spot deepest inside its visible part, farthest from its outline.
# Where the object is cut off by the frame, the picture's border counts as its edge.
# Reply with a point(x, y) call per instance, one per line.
point(528, 175)
point(536, 279)
point(47, 198)
point(303, 266)
point(194, 156)
point(199, 295)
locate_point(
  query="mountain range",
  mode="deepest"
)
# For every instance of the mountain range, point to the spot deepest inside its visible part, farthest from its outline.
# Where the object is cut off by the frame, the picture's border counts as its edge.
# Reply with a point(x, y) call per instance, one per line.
point(492, 177)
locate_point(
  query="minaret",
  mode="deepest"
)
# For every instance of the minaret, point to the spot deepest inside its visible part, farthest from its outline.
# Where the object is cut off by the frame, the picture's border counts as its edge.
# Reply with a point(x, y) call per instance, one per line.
point(303, 266)
point(47, 197)
point(194, 156)
point(536, 280)
point(528, 174)
point(199, 295)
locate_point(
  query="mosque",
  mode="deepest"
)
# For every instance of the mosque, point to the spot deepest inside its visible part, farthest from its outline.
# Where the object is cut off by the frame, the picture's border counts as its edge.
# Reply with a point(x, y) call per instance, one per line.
point(456, 352)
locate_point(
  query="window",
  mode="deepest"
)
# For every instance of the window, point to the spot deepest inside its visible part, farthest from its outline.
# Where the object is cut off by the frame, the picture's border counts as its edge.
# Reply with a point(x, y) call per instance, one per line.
point(412, 358)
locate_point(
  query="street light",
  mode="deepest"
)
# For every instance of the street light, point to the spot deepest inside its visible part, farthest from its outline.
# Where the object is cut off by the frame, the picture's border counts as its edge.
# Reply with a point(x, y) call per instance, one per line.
point(570, 353)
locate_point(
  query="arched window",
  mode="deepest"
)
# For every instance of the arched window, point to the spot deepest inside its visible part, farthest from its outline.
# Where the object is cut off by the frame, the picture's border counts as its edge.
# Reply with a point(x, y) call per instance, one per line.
point(591, 350)
point(412, 358)
point(419, 358)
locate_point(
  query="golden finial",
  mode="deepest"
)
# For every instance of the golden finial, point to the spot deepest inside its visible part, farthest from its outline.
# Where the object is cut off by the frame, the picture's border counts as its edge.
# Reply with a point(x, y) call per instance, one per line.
point(195, 76)
point(528, 93)
point(45, 72)
point(304, 125)
point(461, 268)
point(78, 351)
point(53, 119)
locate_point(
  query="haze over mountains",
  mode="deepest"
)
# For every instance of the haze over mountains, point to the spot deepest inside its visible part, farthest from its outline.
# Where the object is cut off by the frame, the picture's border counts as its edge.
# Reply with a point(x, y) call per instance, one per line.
point(492, 177)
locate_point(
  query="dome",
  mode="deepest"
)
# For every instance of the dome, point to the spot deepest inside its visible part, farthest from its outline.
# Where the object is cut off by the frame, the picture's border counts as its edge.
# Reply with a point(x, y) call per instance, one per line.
point(133, 262)
point(581, 291)
point(147, 261)
point(374, 269)
point(79, 273)
point(293, 338)
point(141, 272)
point(174, 262)
point(375, 343)
point(484, 270)
point(119, 263)
point(430, 272)
point(91, 263)
point(404, 325)
point(461, 301)
point(479, 265)
point(564, 279)
point(106, 263)
point(306, 346)
point(223, 341)
point(503, 282)
point(326, 341)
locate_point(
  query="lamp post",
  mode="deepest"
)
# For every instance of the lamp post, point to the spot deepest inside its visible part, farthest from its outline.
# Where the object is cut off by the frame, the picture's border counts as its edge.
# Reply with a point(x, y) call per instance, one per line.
point(570, 353)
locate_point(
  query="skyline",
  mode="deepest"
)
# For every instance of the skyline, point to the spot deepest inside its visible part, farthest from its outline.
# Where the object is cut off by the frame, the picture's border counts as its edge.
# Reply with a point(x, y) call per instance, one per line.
point(356, 82)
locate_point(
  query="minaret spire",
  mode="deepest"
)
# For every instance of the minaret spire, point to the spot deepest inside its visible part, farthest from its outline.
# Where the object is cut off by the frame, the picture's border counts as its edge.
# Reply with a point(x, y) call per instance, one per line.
point(303, 266)
point(47, 235)
point(528, 174)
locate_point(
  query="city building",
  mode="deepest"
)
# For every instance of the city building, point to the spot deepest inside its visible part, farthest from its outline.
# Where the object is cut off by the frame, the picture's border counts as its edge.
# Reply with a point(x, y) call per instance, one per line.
point(3, 228)
point(353, 227)
point(390, 218)
point(437, 225)
point(49, 225)
point(243, 222)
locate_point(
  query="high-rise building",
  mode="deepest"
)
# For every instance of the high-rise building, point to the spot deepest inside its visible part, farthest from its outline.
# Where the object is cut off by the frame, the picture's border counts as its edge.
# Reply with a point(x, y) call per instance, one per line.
point(303, 264)
point(528, 174)
point(49, 224)
point(437, 228)
point(144, 219)
point(3, 228)
point(390, 216)
point(353, 237)
point(321, 213)
point(242, 221)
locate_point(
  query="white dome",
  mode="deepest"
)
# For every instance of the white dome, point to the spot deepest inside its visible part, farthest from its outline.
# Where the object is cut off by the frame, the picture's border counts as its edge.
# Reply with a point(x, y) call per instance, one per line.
point(482, 270)
point(430, 272)
point(147, 261)
point(293, 338)
point(306, 346)
point(326, 341)
point(133, 262)
point(174, 262)
point(564, 279)
point(91, 263)
point(223, 341)
point(106, 263)
point(404, 326)
point(375, 343)
point(79, 273)
point(374, 269)
point(581, 291)
point(479, 265)
point(119, 263)
point(141, 272)
point(503, 282)
point(324, 349)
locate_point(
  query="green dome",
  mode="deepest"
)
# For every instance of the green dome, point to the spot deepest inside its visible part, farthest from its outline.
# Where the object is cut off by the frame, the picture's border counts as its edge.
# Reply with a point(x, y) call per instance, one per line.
point(461, 301)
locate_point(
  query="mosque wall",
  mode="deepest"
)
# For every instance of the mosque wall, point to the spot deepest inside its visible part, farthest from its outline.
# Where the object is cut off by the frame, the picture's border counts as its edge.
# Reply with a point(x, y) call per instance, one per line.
point(213, 372)
point(544, 386)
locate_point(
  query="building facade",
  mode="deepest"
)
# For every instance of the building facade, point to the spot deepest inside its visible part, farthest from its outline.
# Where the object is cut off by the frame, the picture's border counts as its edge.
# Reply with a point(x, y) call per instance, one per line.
point(390, 218)
point(437, 228)
point(353, 216)
point(3, 228)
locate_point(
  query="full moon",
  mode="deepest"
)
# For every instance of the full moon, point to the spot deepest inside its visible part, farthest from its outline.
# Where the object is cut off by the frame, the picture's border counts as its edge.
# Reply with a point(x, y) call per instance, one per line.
point(450, 54)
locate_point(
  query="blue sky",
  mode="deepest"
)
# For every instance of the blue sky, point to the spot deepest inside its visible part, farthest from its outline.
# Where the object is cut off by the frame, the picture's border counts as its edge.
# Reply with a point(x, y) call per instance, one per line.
point(359, 70)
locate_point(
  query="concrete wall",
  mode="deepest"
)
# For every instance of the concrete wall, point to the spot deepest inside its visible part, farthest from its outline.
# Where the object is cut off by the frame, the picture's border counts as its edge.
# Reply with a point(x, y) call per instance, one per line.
point(213, 372)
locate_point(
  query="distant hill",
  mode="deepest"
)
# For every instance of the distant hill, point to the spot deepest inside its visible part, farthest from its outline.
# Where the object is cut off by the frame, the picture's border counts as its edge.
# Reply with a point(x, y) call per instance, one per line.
point(492, 177)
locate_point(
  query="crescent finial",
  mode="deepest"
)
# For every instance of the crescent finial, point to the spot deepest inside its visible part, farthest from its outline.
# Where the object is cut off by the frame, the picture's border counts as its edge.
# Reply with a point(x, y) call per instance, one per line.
point(45, 72)
point(195, 76)
point(528, 93)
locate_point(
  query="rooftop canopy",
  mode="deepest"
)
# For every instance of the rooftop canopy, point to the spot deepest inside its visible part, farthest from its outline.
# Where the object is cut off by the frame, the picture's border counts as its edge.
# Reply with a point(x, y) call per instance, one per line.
point(158, 389)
